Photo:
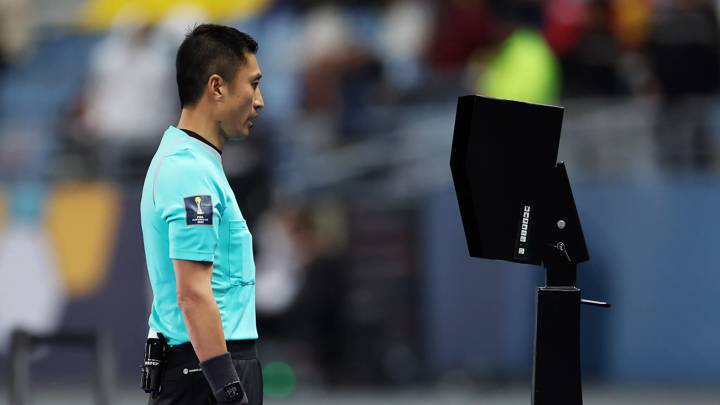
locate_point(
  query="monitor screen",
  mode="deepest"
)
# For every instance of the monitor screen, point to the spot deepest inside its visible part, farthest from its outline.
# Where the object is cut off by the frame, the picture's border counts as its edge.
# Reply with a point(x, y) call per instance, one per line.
point(502, 160)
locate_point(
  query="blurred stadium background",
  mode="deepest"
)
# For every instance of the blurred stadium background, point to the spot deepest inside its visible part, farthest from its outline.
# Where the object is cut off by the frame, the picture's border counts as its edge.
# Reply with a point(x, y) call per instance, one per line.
point(365, 290)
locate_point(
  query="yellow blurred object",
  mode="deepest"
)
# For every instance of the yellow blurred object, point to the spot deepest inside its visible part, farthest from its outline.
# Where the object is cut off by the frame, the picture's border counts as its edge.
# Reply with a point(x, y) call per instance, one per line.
point(82, 220)
point(524, 68)
point(103, 14)
point(631, 21)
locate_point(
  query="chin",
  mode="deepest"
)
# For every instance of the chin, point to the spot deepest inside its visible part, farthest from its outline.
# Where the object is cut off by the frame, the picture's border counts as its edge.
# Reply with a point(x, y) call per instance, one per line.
point(242, 133)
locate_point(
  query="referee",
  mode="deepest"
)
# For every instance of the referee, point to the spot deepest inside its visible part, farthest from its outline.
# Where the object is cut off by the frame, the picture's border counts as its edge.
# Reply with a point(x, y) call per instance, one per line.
point(197, 243)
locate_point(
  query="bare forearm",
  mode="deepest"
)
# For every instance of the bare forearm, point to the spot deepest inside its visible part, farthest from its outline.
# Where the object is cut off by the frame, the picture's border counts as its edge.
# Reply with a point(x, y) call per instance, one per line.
point(199, 309)
point(202, 319)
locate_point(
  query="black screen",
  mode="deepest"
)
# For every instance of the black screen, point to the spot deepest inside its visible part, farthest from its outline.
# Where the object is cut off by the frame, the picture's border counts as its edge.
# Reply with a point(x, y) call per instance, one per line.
point(503, 155)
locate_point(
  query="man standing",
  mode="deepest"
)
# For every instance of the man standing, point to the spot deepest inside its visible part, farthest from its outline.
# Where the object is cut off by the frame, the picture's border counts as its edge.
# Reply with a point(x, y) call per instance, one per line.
point(197, 243)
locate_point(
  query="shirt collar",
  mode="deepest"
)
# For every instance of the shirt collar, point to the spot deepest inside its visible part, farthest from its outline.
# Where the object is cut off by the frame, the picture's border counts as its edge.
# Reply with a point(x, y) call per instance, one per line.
point(201, 139)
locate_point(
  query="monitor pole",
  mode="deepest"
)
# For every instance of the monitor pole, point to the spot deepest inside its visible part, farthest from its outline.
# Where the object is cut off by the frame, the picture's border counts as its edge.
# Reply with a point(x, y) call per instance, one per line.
point(556, 368)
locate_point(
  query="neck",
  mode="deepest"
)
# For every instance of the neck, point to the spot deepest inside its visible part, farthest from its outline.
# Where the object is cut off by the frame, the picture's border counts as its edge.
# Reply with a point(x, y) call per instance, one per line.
point(201, 122)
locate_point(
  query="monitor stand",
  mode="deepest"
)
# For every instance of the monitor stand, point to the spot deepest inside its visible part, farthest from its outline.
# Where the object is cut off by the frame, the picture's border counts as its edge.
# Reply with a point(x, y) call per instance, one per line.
point(556, 362)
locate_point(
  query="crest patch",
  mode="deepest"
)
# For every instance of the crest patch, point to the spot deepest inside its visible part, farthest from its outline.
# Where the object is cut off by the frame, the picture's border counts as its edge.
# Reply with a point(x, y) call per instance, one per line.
point(198, 210)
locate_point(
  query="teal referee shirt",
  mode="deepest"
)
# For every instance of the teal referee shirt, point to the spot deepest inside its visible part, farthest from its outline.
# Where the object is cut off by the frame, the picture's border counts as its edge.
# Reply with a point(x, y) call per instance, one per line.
point(188, 211)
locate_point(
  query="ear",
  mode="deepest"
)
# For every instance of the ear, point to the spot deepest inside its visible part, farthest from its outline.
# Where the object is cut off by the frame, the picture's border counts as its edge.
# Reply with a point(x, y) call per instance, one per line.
point(216, 87)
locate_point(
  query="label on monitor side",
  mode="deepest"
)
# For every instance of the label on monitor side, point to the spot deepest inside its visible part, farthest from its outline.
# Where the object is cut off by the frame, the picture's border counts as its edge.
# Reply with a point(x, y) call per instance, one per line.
point(523, 232)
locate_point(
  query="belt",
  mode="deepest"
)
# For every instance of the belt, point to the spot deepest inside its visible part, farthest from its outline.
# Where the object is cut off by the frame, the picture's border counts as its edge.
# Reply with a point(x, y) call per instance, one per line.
point(182, 360)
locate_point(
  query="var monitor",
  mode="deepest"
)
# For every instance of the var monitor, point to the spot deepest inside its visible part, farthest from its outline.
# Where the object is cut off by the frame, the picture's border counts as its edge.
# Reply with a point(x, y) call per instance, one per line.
point(503, 162)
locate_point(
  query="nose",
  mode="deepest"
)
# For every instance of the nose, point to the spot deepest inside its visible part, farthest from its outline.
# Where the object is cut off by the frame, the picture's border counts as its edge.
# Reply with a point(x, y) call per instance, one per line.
point(258, 102)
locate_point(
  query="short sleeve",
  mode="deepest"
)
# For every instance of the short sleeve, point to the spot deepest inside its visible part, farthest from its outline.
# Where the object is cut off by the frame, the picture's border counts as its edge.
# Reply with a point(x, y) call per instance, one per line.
point(188, 200)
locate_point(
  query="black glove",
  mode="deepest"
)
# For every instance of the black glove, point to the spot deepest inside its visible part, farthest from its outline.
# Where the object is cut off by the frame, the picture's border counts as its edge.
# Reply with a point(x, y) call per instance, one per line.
point(223, 380)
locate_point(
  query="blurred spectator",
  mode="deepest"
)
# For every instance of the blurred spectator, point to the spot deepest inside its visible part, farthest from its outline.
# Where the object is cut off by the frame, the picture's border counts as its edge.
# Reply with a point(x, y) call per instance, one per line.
point(462, 28)
point(32, 299)
point(129, 100)
point(684, 53)
point(308, 272)
point(340, 72)
point(523, 68)
point(631, 25)
point(522, 65)
point(687, 31)
point(320, 306)
point(328, 46)
point(404, 33)
point(278, 263)
point(591, 66)
point(563, 24)
point(631, 22)
point(129, 93)
point(17, 30)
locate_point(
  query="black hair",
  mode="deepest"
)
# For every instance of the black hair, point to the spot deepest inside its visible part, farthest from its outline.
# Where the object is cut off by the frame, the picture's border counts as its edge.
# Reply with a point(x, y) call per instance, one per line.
point(209, 49)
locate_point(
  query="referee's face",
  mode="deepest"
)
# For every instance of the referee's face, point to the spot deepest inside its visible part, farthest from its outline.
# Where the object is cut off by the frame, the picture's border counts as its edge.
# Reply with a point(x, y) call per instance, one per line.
point(244, 100)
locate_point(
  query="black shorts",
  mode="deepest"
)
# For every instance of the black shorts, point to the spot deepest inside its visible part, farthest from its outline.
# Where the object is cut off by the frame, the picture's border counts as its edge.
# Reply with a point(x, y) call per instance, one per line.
point(183, 382)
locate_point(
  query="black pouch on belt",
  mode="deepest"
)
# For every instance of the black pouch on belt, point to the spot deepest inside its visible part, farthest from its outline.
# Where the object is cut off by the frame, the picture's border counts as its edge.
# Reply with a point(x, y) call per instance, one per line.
point(153, 364)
